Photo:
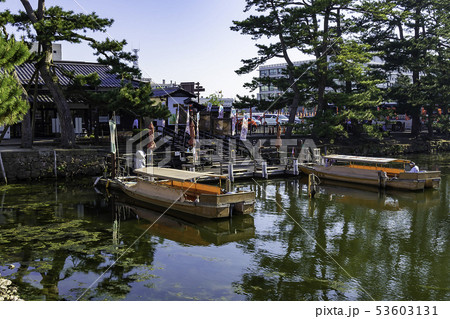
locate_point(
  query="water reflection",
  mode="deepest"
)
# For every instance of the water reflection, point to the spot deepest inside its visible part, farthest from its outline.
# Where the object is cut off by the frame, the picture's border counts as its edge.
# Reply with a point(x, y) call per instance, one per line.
point(183, 228)
point(350, 243)
point(346, 244)
point(376, 198)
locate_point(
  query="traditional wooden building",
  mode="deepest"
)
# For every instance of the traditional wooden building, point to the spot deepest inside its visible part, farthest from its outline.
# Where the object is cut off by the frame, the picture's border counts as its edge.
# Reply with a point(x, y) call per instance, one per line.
point(85, 116)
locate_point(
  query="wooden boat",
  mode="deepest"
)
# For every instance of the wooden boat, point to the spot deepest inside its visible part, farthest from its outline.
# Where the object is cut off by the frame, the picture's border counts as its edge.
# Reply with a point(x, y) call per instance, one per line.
point(178, 190)
point(381, 172)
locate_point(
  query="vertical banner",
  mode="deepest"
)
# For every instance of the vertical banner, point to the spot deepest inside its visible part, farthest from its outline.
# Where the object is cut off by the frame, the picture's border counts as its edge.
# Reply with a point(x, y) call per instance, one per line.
point(220, 112)
point(176, 118)
point(244, 128)
point(208, 108)
point(187, 122)
point(112, 134)
point(233, 121)
point(198, 128)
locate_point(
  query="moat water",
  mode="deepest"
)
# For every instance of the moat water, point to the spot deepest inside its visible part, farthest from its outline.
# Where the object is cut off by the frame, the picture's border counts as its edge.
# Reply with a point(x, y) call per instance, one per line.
point(70, 241)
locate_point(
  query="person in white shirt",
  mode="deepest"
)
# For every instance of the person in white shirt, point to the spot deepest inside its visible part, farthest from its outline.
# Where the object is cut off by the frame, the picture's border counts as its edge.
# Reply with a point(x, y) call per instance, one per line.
point(414, 168)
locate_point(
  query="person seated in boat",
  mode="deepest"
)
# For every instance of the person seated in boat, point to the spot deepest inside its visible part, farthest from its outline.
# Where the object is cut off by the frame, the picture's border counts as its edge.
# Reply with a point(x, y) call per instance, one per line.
point(414, 168)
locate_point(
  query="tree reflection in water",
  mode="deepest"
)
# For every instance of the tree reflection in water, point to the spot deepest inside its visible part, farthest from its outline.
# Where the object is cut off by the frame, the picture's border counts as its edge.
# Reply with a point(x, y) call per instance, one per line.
point(392, 244)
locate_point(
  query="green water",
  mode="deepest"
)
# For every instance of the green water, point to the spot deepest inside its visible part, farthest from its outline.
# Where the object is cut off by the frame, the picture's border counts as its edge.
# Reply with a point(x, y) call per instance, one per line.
point(69, 242)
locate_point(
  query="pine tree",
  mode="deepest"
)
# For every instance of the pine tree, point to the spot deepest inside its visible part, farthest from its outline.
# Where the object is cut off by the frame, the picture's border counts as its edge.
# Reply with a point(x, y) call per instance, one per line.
point(48, 25)
point(13, 103)
point(413, 36)
point(317, 28)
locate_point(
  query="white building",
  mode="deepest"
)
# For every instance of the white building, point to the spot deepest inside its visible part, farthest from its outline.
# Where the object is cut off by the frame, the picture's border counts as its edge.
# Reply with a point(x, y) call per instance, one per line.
point(56, 50)
point(276, 71)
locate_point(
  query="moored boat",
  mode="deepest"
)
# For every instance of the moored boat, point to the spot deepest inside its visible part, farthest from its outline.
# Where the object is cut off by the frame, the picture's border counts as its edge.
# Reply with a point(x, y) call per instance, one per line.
point(179, 190)
point(381, 172)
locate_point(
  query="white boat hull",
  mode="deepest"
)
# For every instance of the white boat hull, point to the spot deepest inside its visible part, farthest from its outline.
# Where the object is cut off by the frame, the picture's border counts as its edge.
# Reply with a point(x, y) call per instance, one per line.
point(406, 181)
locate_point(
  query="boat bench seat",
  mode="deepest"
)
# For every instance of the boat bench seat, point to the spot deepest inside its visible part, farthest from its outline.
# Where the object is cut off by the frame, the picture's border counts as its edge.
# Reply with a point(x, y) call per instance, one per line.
point(388, 170)
point(195, 188)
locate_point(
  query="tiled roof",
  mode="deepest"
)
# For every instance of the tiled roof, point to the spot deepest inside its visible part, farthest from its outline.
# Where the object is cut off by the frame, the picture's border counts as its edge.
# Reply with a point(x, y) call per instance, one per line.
point(26, 70)
point(171, 91)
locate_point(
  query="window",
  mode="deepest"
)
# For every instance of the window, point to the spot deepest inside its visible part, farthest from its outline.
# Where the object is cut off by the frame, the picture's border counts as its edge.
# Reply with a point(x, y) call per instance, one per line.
point(273, 71)
point(264, 88)
point(263, 73)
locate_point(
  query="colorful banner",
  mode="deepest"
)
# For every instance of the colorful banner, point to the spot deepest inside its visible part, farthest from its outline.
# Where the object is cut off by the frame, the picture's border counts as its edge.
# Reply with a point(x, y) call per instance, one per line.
point(220, 112)
point(208, 108)
point(112, 134)
point(233, 121)
point(198, 128)
point(244, 128)
point(187, 122)
point(176, 119)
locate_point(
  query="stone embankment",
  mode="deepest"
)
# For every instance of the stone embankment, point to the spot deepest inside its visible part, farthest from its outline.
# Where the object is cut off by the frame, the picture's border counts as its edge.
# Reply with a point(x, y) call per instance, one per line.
point(19, 165)
point(390, 147)
point(7, 291)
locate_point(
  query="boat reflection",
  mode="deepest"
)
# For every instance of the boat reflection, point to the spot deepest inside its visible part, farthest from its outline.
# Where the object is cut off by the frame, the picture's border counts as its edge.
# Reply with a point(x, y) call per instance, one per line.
point(184, 228)
point(376, 198)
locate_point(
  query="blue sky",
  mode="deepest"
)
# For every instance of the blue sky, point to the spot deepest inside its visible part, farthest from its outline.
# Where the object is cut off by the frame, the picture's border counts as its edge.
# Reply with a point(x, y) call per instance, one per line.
point(179, 40)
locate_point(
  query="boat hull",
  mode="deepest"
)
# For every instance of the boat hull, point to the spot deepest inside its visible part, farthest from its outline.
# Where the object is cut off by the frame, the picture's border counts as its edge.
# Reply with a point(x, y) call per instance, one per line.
point(163, 198)
point(405, 181)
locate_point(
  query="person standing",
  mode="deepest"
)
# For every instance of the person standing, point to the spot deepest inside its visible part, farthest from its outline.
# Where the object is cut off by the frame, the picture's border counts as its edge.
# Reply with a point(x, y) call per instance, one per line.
point(135, 124)
point(414, 168)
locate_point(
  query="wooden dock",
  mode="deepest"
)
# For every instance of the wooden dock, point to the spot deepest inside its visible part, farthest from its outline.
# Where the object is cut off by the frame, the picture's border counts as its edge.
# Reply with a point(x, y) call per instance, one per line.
point(248, 170)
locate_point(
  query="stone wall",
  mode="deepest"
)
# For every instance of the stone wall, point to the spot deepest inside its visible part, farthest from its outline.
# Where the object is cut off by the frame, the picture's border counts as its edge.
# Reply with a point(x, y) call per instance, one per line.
point(391, 148)
point(36, 164)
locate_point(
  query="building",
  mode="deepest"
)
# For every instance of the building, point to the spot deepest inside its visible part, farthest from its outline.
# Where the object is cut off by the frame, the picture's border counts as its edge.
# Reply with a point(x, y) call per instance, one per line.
point(85, 117)
point(273, 71)
point(56, 50)
point(175, 98)
point(276, 71)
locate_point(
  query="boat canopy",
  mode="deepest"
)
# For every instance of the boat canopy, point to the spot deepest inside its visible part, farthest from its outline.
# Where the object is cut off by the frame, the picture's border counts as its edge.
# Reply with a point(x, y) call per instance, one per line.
point(173, 174)
point(364, 159)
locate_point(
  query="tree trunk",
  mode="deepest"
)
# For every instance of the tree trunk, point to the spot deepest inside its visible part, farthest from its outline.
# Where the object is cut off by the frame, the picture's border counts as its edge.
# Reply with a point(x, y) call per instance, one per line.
point(416, 125)
point(65, 117)
point(292, 113)
point(27, 135)
point(292, 80)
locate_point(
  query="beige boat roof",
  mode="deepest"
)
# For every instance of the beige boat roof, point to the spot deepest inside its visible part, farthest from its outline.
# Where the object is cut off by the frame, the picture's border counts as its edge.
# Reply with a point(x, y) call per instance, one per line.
point(377, 160)
point(173, 174)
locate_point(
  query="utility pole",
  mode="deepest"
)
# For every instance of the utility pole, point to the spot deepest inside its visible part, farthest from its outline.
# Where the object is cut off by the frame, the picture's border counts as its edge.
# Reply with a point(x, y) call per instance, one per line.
point(198, 88)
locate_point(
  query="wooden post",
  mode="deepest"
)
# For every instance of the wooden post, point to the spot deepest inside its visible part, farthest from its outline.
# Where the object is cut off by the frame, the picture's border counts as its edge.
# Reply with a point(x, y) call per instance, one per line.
point(311, 185)
point(264, 169)
point(230, 172)
point(295, 166)
point(113, 165)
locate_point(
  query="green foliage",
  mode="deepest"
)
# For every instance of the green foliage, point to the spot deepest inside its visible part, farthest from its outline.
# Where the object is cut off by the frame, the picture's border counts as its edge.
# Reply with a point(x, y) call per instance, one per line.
point(442, 124)
point(13, 105)
point(46, 25)
point(111, 53)
point(130, 98)
point(315, 28)
point(216, 98)
point(413, 37)
point(137, 100)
